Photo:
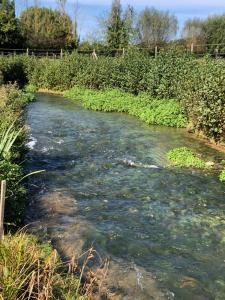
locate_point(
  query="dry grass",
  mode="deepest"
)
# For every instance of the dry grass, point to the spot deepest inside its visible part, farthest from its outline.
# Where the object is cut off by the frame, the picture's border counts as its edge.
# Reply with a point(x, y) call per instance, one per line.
point(3, 97)
point(29, 270)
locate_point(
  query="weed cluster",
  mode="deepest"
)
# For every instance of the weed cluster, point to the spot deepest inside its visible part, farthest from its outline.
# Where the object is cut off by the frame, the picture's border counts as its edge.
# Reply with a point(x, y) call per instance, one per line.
point(184, 157)
point(149, 110)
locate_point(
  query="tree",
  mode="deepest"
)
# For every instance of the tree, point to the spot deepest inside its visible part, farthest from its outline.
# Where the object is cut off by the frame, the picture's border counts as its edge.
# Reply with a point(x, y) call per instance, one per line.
point(115, 26)
point(9, 29)
point(156, 27)
point(214, 30)
point(193, 32)
point(62, 5)
point(119, 26)
point(129, 27)
point(76, 37)
point(46, 28)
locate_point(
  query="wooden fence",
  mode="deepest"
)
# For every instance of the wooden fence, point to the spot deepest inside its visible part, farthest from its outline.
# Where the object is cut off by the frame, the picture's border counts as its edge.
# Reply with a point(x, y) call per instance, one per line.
point(214, 50)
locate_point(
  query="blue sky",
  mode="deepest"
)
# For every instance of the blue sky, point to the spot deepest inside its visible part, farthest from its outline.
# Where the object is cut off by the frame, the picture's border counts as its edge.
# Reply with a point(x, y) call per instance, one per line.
point(90, 10)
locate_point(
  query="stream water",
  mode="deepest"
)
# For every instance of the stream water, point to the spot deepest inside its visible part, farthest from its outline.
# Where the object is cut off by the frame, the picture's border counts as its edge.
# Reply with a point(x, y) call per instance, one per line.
point(106, 184)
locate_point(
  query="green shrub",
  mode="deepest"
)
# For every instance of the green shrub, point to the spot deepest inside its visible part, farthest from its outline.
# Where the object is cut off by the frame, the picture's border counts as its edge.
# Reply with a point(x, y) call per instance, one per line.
point(204, 98)
point(14, 69)
point(184, 157)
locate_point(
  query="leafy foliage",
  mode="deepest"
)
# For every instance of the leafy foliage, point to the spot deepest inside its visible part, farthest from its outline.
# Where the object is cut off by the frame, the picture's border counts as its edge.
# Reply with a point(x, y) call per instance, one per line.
point(119, 26)
point(9, 27)
point(197, 84)
point(222, 176)
point(184, 157)
point(7, 139)
point(151, 111)
point(46, 28)
point(156, 27)
point(204, 98)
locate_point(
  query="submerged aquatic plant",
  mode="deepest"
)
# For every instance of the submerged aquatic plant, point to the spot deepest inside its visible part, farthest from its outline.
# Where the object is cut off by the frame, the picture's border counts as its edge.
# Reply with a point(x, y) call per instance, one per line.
point(184, 157)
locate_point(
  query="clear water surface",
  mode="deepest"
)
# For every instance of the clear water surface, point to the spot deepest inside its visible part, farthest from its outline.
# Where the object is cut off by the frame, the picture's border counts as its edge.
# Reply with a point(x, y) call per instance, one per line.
point(166, 222)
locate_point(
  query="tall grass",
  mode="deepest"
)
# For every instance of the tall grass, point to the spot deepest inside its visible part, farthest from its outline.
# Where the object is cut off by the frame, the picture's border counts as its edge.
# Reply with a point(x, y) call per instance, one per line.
point(7, 139)
point(29, 270)
point(12, 149)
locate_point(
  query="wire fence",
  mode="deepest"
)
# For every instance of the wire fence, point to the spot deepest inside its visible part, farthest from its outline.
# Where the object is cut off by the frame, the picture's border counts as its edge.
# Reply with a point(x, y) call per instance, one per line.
point(214, 50)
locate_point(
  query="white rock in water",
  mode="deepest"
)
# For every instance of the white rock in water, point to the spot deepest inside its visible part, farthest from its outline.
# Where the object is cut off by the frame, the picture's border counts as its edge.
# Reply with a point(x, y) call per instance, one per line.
point(133, 164)
point(152, 167)
point(32, 142)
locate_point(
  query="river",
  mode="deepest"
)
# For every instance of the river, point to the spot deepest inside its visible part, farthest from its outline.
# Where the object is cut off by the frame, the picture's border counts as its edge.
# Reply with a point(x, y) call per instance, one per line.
point(107, 184)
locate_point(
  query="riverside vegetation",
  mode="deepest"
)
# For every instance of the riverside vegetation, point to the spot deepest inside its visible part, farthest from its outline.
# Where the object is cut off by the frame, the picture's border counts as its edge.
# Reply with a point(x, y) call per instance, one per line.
point(196, 85)
point(175, 89)
point(28, 269)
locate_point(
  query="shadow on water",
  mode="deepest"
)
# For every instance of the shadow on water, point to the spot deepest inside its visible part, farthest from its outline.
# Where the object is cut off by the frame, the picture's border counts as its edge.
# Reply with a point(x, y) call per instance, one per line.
point(164, 229)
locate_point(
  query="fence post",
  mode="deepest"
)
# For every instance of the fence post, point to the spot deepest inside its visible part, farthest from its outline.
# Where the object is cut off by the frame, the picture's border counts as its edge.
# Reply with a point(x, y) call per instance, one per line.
point(217, 52)
point(27, 52)
point(192, 47)
point(156, 51)
point(2, 207)
point(123, 52)
point(61, 53)
point(94, 55)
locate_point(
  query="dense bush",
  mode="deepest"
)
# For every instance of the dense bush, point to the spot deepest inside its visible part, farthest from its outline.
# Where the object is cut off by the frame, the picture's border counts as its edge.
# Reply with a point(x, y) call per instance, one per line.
point(204, 98)
point(13, 69)
point(198, 84)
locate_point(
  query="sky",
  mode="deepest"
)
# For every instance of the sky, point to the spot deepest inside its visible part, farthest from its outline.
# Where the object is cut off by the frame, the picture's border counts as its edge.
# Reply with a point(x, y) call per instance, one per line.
point(90, 10)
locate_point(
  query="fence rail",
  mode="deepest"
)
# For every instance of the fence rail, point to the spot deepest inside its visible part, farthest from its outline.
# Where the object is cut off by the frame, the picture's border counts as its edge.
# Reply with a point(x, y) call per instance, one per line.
point(215, 50)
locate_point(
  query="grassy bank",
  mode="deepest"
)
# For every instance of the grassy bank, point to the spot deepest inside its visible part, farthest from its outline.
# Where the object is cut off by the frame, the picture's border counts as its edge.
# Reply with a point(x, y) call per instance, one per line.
point(30, 270)
point(149, 110)
point(12, 149)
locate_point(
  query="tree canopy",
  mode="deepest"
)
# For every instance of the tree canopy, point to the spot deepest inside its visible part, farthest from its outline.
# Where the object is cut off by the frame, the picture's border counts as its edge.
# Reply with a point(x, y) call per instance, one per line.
point(9, 28)
point(156, 27)
point(46, 28)
point(119, 26)
point(193, 31)
point(214, 29)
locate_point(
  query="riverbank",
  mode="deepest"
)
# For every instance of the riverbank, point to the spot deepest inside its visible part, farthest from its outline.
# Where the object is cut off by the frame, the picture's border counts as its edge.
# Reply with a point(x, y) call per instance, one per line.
point(29, 268)
point(12, 150)
point(76, 94)
point(33, 270)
